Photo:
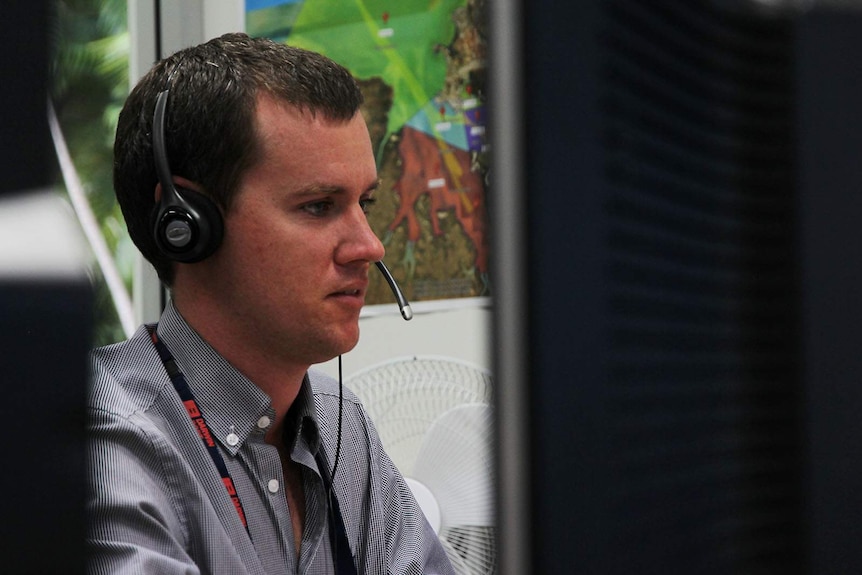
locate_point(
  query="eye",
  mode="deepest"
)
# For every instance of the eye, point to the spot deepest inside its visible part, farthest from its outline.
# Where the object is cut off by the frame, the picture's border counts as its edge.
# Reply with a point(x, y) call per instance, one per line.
point(366, 204)
point(320, 208)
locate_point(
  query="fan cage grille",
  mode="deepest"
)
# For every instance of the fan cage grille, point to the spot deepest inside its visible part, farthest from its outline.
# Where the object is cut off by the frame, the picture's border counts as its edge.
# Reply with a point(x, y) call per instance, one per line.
point(404, 398)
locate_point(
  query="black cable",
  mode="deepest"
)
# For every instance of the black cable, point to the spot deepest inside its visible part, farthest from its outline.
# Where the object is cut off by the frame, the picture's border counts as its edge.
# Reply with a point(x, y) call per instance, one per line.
point(340, 417)
point(331, 487)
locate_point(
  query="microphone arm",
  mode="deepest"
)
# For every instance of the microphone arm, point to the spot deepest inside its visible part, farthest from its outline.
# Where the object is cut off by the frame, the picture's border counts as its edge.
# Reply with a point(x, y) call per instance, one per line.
point(406, 311)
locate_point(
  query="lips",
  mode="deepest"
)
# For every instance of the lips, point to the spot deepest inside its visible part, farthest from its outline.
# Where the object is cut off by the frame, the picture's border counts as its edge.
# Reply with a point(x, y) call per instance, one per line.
point(355, 289)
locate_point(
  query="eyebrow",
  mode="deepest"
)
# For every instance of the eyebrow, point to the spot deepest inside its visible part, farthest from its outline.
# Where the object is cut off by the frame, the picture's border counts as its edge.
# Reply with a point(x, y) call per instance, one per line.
point(317, 189)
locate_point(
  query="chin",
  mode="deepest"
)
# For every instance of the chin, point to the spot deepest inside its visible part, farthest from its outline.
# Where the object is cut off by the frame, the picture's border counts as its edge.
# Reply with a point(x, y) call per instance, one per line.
point(344, 341)
point(349, 346)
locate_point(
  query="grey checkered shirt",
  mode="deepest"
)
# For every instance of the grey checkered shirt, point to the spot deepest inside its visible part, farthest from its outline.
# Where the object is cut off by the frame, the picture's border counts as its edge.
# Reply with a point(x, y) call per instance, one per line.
point(158, 506)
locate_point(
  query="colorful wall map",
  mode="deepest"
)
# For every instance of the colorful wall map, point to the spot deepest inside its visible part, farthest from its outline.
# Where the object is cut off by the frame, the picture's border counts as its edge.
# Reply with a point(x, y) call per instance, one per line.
point(421, 65)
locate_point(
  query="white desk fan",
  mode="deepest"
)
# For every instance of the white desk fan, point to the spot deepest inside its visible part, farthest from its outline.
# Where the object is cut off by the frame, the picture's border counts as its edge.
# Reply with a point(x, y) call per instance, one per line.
point(434, 418)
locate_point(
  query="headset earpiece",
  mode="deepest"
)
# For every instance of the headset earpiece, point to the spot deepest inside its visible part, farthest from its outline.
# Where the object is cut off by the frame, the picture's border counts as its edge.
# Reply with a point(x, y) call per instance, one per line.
point(187, 225)
point(187, 228)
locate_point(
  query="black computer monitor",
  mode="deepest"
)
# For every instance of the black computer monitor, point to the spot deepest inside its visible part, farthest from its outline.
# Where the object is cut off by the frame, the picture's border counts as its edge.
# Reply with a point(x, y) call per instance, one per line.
point(675, 226)
point(45, 319)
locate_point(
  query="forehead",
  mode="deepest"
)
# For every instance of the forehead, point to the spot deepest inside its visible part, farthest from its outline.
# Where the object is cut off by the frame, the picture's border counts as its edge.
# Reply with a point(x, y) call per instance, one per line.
point(302, 145)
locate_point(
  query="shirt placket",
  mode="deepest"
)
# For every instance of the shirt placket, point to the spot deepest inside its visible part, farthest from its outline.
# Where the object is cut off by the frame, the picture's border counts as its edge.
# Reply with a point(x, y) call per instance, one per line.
point(273, 539)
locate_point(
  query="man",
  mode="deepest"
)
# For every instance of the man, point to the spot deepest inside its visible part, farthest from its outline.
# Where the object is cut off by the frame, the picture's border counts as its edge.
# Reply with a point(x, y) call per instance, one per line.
point(244, 170)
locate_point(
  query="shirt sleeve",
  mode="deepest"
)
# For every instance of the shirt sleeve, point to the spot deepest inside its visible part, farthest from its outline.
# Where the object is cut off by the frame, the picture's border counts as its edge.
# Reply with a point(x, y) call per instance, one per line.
point(133, 524)
point(415, 547)
point(411, 545)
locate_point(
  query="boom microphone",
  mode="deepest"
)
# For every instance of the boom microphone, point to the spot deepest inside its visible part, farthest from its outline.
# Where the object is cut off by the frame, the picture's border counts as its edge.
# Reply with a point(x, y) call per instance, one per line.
point(406, 312)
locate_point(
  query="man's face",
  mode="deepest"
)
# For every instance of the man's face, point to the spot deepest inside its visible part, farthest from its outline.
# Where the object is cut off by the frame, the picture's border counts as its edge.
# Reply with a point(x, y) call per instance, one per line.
point(294, 264)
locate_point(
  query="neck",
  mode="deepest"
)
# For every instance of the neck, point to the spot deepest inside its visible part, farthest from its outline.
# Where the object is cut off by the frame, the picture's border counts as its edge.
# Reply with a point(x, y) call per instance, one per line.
point(275, 375)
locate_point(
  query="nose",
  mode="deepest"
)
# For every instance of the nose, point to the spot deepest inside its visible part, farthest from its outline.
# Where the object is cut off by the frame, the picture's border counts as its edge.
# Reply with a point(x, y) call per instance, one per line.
point(360, 242)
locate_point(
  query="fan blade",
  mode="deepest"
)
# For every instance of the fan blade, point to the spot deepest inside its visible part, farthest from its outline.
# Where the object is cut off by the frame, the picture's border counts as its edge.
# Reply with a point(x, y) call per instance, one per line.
point(455, 463)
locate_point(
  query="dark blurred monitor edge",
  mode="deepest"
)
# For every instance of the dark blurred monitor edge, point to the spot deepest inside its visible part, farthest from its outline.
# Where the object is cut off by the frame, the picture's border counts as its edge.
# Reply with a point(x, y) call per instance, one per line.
point(45, 318)
point(676, 261)
point(26, 157)
point(45, 333)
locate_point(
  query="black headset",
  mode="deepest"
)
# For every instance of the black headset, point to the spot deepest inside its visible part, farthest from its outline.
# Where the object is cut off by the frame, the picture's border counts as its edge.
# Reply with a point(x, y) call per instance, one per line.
point(187, 225)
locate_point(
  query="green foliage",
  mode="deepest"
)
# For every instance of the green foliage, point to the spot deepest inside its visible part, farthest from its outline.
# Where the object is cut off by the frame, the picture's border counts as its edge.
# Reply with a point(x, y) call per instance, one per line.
point(90, 64)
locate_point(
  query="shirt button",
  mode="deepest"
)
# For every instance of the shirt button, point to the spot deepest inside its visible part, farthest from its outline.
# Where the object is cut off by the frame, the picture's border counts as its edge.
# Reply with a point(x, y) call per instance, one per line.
point(263, 422)
point(232, 439)
point(272, 486)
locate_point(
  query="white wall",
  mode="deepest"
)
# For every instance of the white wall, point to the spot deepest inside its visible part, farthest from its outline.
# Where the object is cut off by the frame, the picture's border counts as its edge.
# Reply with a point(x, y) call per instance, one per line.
point(458, 329)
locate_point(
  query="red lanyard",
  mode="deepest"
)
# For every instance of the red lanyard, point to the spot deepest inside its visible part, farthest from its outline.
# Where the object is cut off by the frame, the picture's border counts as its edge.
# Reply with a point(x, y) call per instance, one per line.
point(188, 399)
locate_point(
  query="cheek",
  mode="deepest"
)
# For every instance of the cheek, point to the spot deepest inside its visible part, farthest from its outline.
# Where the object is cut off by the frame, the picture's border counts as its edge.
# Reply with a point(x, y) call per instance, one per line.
point(250, 239)
point(271, 250)
point(274, 267)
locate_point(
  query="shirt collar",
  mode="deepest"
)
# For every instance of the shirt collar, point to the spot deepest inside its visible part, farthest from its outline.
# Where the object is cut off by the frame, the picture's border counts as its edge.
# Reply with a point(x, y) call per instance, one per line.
point(301, 420)
point(230, 403)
